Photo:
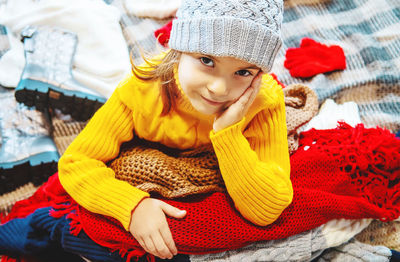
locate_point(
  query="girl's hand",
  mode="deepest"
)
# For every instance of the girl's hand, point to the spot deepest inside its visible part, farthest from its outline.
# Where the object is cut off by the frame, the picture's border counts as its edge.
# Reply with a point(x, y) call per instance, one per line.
point(150, 228)
point(235, 112)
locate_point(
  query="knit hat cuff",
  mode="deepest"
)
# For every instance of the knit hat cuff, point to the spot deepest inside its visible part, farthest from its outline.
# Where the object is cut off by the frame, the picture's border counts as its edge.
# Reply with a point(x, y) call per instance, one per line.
point(226, 36)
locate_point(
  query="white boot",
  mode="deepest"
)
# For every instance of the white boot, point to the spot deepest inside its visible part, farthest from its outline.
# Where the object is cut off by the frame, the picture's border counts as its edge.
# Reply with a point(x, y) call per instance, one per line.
point(27, 152)
point(47, 80)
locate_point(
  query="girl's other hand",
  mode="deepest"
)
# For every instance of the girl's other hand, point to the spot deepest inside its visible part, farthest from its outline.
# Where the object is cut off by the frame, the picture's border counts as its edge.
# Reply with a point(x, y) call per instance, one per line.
point(235, 112)
point(150, 228)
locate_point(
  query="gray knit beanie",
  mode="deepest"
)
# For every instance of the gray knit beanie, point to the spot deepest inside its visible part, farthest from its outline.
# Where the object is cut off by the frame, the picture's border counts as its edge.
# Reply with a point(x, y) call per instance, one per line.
point(245, 29)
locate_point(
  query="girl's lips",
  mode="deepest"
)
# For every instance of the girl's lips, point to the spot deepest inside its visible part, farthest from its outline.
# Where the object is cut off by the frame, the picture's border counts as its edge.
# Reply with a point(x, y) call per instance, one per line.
point(214, 103)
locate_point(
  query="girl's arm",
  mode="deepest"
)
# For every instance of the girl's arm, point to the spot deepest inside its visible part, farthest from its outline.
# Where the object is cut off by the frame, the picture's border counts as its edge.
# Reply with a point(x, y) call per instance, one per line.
point(256, 170)
point(82, 169)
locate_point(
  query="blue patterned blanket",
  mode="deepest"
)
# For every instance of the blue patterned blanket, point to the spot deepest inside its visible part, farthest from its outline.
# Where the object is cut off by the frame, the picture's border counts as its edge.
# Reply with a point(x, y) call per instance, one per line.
point(367, 30)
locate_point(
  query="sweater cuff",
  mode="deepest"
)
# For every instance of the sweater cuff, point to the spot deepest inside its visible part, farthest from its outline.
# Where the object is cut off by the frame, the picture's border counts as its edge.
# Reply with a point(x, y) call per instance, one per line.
point(229, 131)
point(105, 195)
point(230, 140)
point(130, 197)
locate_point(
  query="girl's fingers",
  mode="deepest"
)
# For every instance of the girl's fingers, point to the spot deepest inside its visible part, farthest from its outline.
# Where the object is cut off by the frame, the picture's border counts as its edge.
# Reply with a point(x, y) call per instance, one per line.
point(171, 210)
point(248, 96)
point(150, 246)
point(255, 86)
point(245, 100)
point(256, 83)
point(168, 239)
point(242, 101)
point(161, 247)
point(256, 79)
point(141, 242)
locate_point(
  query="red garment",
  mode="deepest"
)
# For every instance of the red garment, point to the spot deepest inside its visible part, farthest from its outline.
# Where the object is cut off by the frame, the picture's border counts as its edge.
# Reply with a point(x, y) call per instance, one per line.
point(313, 58)
point(49, 194)
point(162, 34)
point(340, 173)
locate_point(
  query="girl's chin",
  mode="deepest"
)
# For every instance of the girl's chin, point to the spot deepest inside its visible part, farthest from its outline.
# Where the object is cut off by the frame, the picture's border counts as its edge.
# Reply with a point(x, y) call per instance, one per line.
point(208, 110)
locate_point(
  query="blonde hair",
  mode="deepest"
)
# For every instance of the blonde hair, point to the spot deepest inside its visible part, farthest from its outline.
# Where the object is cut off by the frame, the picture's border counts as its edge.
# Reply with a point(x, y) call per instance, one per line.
point(163, 70)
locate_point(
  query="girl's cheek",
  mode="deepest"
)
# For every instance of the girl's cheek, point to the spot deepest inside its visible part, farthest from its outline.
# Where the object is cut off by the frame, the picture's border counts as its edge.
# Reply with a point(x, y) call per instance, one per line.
point(240, 91)
point(189, 73)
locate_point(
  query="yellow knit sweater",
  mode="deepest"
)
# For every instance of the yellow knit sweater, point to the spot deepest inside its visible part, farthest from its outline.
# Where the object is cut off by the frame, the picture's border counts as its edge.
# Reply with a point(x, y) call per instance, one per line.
point(252, 154)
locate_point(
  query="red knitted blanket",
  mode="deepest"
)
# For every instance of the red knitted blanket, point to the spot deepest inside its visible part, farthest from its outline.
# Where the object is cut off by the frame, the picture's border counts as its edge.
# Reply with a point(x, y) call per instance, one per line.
point(339, 173)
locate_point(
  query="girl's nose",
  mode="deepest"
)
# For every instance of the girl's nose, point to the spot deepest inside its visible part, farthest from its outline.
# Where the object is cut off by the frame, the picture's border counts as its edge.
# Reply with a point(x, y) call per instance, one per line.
point(218, 87)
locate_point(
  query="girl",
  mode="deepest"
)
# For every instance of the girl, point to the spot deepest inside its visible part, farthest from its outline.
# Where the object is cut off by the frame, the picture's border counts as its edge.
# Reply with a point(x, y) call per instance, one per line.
point(211, 87)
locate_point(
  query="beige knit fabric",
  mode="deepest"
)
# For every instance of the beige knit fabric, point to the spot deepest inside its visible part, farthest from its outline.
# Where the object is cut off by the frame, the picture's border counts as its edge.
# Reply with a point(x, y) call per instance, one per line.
point(168, 172)
point(8, 200)
point(64, 132)
point(381, 233)
point(301, 105)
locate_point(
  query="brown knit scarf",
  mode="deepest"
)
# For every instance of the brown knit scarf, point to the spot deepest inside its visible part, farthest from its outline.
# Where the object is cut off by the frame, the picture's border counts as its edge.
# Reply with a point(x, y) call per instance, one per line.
point(168, 172)
point(173, 173)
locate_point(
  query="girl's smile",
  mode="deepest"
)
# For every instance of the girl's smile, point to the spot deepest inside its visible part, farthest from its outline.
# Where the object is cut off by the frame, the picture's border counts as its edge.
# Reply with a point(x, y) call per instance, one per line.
point(213, 103)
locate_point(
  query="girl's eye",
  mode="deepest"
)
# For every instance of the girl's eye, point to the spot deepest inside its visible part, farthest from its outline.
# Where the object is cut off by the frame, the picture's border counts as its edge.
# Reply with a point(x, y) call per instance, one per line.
point(244, 73)
point(207, 61)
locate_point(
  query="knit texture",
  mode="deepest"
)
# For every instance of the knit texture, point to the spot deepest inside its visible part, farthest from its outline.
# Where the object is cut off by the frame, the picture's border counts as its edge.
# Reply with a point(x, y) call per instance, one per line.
point(64, 132)
point(300, 248)
point(357, 252)
point(9, 199)
point(347, 173)
point(170, 173)
point(301, 106)
point(49, 194)
point(303, 247)
point(248, 30)
point(340, 231)
point(379, 233)
point(40, 233)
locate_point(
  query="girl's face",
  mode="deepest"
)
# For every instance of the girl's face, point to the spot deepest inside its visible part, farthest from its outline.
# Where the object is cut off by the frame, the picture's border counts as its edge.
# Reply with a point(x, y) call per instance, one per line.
point(212, 84)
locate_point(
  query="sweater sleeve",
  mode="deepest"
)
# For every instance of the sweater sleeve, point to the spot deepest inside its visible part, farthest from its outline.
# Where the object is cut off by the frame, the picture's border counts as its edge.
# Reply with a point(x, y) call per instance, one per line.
point(256, 170)
point(82, 169)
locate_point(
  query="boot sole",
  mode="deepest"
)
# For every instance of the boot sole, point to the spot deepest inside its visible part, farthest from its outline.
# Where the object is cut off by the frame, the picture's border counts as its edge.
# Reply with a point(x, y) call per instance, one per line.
point(36, 169)
point(81, 106)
